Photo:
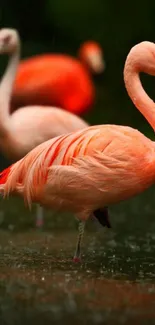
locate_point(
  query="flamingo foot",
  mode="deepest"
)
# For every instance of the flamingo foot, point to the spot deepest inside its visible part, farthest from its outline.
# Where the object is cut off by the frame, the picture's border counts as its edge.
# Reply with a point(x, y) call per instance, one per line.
point(39, 223)
point(76, 259)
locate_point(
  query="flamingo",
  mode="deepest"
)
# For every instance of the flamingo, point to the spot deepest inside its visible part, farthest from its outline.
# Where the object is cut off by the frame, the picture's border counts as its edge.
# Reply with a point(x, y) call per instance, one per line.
point(58, 79)
point(24, 129)
point(87, 170)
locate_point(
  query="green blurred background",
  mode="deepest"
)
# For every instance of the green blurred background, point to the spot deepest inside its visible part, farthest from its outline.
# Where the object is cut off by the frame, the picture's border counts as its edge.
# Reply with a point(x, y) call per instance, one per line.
point(62, 25)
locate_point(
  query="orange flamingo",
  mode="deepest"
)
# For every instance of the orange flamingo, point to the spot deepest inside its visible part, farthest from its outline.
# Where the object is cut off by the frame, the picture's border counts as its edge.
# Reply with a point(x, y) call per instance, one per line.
point(26, 128)
point(100, 165)
point(57, 79)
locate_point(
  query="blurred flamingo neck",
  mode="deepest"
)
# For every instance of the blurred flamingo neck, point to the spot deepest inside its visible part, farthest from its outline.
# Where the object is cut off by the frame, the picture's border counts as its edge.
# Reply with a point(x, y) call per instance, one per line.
point(86, 65)
point(135, 89)
point(6, 86)
point(8, 79)
point(83, 58)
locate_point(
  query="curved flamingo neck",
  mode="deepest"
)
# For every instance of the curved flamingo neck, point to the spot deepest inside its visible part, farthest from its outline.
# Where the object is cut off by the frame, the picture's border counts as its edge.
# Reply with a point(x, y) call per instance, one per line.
point(135, 89)
point(6, 86)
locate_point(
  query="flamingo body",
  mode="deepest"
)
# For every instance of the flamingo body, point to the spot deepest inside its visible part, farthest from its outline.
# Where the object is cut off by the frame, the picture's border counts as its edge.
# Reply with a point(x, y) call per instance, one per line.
point(54, 80)
point(30, 126)
point(85, 170)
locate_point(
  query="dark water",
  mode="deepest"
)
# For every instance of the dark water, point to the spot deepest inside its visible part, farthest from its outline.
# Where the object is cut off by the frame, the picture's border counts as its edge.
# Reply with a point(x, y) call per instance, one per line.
point(114, 284)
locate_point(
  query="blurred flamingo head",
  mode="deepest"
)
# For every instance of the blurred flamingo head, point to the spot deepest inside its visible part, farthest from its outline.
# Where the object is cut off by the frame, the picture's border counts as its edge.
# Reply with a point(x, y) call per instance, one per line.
point(8, 40)
point(91, 53)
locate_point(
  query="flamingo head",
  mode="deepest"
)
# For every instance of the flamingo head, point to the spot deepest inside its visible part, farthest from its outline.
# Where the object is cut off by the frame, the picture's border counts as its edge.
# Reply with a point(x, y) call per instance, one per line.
point(8, 40)
point(91, 53)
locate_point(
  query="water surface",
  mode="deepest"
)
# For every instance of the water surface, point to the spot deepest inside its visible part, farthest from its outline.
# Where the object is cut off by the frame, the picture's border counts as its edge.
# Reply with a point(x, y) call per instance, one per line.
point(114, 284)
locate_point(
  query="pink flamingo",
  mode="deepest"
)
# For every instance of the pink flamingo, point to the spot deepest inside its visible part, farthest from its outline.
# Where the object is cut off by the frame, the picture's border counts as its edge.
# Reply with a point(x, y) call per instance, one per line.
point(59, 79)
point(24, 129)
point(86, 170)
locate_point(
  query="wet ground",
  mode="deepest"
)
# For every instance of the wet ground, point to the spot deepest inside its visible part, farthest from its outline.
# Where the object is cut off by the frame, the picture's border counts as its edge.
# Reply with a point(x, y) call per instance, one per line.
point(114, 284)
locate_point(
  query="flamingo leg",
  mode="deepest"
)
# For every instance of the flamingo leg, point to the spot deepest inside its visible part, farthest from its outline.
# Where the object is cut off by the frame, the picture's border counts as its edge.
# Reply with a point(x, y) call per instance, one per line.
point(79, 241)
point(39, 216)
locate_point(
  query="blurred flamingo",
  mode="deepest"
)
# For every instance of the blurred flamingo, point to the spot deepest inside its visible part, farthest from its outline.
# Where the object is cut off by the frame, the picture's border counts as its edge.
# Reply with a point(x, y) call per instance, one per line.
point(86, 170)
point(26, 128)
point(59, 79)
